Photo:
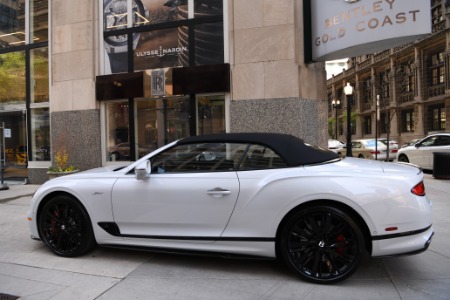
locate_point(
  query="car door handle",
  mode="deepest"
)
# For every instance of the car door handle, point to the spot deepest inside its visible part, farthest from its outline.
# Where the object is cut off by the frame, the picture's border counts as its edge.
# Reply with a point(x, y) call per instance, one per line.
point(218, 192)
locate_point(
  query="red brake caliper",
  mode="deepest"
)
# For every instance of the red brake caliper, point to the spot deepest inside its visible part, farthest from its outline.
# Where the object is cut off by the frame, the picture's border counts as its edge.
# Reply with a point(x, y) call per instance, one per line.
point(340, 239)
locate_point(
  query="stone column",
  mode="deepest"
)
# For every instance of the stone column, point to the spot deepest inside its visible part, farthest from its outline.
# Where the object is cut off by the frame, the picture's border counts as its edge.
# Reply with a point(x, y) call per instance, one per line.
point(273, 89)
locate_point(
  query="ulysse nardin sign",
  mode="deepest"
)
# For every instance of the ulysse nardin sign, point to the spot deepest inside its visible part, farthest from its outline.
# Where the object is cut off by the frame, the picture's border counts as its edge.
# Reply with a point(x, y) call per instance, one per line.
point(345, 28)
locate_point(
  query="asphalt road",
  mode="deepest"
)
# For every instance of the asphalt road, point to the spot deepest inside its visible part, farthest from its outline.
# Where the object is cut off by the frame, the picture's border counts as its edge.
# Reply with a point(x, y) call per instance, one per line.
point(29, 270)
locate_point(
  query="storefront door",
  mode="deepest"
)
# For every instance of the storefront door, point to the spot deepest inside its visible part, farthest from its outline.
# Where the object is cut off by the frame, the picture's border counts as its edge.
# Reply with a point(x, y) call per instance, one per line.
point(15, 157)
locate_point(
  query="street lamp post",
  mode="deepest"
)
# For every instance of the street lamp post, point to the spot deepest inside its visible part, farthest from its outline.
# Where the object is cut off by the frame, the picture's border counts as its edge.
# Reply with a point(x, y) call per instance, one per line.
point(377, 119)
point(348, 91)
point(336, 105)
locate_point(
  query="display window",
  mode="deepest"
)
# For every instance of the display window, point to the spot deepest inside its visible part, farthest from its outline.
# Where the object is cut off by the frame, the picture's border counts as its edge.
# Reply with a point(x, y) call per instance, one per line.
point(161, 49)
point(39, 75)
point(156, 34)
point(211, 114)
point(38, 21)
point(12, 78)
point(208, 7)
point(159, 122)
point(148, 12)
point(40, 134)
point(117, 131)
point(12, 15)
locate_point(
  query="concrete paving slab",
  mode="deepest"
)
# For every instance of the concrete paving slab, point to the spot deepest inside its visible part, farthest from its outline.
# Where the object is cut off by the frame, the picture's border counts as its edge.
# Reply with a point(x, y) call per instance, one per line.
point(39, 283)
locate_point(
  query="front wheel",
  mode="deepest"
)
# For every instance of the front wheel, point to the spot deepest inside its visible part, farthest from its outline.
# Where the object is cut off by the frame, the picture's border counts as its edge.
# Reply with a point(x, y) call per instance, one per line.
point(322, 244)
point(65, 227)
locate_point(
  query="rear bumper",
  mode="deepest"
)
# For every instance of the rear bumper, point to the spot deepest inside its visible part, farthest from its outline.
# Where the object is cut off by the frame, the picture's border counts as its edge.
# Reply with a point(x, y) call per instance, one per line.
point(406, 244)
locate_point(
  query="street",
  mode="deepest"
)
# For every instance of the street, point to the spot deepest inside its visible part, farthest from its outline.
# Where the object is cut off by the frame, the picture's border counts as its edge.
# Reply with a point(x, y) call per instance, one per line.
point(29, 270)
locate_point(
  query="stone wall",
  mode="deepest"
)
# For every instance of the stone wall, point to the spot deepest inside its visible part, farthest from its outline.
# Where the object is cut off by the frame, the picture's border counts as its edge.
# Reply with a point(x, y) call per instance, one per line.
point(298, 117)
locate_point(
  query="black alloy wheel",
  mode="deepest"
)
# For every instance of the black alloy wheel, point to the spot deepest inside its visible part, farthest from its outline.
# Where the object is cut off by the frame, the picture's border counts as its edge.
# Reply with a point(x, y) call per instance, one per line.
point(322, 244)
point(65, 227)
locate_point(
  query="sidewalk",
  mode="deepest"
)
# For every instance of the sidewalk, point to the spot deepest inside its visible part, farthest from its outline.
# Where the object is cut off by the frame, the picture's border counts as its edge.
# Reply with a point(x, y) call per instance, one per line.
point(17, 190)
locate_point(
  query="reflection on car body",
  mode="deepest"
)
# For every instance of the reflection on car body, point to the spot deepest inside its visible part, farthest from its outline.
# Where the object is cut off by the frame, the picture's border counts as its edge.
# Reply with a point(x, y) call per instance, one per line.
point(257, 194)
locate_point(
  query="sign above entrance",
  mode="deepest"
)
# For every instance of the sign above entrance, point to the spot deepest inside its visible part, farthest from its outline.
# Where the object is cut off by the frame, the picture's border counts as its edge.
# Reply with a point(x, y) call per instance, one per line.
point(348, 28)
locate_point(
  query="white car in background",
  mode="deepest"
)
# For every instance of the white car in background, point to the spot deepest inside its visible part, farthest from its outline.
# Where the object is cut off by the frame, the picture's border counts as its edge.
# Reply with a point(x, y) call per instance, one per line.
point(421, 153)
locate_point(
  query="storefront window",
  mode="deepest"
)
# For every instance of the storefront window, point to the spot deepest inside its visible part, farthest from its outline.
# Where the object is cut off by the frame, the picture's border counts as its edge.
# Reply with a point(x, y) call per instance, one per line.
point(159, 122)
point(117, 131)
point(12, 23)
point(211, 114)
point(161, 49)
point(39, 75)
point(39, 21)
point(148, 12)
point(116, 60)
point(40, 134)
point(209, 47)
point(12, 78)
point(208, 7)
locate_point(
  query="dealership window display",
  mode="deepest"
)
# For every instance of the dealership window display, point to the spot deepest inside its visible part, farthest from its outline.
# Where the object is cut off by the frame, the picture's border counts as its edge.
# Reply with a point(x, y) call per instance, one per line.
point(156, 35)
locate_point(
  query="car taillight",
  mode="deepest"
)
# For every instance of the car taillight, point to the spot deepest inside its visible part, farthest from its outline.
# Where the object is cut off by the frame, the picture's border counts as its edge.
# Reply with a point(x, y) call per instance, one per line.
point(374, 152)
point(394, 150)
point(419, 189)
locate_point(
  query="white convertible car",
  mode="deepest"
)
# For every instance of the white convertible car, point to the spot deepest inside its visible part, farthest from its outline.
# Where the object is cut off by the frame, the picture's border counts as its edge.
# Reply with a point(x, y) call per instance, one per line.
point(253, 194)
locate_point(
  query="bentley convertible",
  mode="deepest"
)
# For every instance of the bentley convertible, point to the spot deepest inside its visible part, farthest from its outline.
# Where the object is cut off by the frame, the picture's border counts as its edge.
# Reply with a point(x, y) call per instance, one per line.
point(244, 194)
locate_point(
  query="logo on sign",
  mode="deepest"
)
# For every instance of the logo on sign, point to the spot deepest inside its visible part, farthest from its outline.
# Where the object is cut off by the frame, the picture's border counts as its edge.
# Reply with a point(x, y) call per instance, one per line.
point(158, 82)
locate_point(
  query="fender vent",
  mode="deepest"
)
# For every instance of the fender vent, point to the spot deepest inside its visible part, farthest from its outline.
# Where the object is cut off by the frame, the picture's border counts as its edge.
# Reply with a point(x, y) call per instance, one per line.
point(109, 227)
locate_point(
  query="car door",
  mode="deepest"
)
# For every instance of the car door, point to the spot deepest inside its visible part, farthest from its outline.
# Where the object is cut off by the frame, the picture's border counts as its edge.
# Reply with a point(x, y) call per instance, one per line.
point(190, 193)
point(356, 148)
point(423, 150)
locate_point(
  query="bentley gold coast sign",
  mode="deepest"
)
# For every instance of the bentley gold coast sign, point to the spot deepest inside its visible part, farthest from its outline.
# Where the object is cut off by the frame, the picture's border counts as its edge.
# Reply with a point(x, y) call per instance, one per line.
point(346, 28)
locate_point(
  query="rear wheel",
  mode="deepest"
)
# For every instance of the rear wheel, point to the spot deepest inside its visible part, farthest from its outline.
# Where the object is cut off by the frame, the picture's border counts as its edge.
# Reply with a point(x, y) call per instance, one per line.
point(360, 156)
point(65, 227)
point(322, 244)
point(403, 158)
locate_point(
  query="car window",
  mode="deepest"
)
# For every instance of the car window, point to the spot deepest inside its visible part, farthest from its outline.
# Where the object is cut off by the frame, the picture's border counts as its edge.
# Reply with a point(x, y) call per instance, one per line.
point(202, 157)
point(442, 141)
point(260, 157)
point(356, 145)
point(429, 141)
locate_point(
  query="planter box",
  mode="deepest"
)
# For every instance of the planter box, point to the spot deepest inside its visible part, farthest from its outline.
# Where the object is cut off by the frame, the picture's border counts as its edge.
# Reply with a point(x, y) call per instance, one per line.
point(52, 175)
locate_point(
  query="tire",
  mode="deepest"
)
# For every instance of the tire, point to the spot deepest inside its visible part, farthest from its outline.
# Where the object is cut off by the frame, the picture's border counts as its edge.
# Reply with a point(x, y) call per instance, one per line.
point(403, 158)
point(321, 244)
point(65, 227)
point(360, 156)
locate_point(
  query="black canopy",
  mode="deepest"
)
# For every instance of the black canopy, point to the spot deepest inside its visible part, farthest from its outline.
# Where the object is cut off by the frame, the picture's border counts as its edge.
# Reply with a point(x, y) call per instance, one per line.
point(292, 149)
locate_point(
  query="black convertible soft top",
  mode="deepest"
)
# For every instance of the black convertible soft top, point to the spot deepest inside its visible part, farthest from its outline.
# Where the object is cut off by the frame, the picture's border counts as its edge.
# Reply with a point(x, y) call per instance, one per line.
point(292, 149)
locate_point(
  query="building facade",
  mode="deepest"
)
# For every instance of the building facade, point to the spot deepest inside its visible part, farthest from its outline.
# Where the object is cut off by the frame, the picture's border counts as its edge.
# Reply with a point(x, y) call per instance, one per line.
point(110, 80)
point(403, 92)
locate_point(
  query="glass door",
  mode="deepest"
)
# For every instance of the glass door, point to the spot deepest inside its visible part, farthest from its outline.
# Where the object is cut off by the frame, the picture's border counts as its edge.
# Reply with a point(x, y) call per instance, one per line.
point(159, 122)
point(15, 157)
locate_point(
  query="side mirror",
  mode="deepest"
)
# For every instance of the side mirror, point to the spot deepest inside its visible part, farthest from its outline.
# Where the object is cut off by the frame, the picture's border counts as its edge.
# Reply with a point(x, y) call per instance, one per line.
point(142, 170)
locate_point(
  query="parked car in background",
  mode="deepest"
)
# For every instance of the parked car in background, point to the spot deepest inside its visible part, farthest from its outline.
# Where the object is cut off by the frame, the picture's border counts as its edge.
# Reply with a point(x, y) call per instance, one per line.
point(392, 143)
point(335, 144)
point(258, 194)
point(421, 153)
point(365, 148)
